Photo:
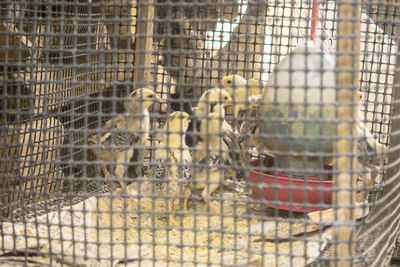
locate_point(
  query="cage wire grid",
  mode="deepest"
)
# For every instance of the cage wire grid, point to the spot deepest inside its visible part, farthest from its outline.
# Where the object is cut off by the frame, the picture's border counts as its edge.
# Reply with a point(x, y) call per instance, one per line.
point(229, 157)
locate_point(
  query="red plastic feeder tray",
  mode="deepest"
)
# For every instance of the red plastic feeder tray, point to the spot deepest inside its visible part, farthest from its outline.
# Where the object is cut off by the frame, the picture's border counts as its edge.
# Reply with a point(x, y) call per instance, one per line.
point(304, 191)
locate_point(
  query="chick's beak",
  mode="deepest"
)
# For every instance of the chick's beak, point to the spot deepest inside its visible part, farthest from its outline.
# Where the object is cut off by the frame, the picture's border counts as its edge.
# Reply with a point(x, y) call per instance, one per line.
point(159, 99)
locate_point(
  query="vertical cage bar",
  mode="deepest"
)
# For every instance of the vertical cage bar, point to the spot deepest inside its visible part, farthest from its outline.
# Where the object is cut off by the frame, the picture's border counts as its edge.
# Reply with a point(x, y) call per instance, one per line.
point(144, 42)
point(348, 79)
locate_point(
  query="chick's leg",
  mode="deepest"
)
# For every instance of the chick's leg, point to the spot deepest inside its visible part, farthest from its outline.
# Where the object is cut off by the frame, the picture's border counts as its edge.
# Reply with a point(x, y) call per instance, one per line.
point(212, 185)
point(119, 173)
point(173, 203)
point(171, 208)
point(106, 173)
point(186, 193)
point(121, 159)
point(213, 207)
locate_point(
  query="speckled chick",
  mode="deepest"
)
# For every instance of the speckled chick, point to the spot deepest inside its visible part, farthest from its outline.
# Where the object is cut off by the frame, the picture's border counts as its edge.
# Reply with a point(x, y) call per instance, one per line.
point(214, 100)
point(122, 135)
point(247, 98)
point(242, 91)
point(249, 130)
point(172, 162)
point(211, 153)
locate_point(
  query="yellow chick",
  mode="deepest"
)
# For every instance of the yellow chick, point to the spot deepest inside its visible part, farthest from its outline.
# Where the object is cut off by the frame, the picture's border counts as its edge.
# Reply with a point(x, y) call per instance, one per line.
point(214, 101)
point(240, 89)
point(208, 101)
point(247, 98)
point(125, 133)
point(211, 153)
point(256, 87)
point(173, 159)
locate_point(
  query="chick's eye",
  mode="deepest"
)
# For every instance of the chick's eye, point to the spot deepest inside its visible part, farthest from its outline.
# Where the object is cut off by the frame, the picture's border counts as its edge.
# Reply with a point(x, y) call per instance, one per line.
point(151, 96)
point(229, 81)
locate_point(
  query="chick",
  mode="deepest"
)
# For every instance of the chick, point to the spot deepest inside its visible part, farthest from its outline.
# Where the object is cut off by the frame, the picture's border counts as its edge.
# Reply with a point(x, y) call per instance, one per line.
point(213, 101)
point(255, 87)
point(216, 101)
point(173, 159)
point(249, 131)
point(209, 100)
point(241, 90)
point(125, 133)
point(372, 155)
point(251, 86)
point(211, 152)
point(371, 152)
point(367, 144)
point(247, 97)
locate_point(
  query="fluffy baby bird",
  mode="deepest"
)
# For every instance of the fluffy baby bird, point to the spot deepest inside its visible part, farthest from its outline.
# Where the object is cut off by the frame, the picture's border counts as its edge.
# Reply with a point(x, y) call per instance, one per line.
point(247, 97)
point(173, 160)
point(368, 145)
point(249, 131)
point(211, 153)
point(125, 133)
point(213, 101)
point(217, 100)
point(371, 152)
point(241, 90)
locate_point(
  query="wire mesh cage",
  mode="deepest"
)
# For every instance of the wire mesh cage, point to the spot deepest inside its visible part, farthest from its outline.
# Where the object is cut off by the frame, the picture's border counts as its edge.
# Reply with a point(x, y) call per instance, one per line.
point(198, 133)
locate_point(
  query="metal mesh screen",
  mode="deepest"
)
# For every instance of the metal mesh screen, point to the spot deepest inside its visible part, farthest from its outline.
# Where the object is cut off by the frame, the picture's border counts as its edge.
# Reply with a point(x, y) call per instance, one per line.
point(198, 133)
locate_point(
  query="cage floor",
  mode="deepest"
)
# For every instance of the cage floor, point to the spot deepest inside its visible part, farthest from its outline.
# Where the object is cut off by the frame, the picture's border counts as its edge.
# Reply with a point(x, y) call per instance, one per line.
point(112, 230)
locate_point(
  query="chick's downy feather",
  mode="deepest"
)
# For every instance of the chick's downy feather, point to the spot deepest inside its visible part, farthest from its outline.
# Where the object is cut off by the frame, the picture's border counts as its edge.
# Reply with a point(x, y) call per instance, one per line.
point(247, 103)
point(172, 162)
point(208, 101)
point(212, 154)
point(241, 91)
point(211, 101)
point(249, 128)
point(121, 136)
